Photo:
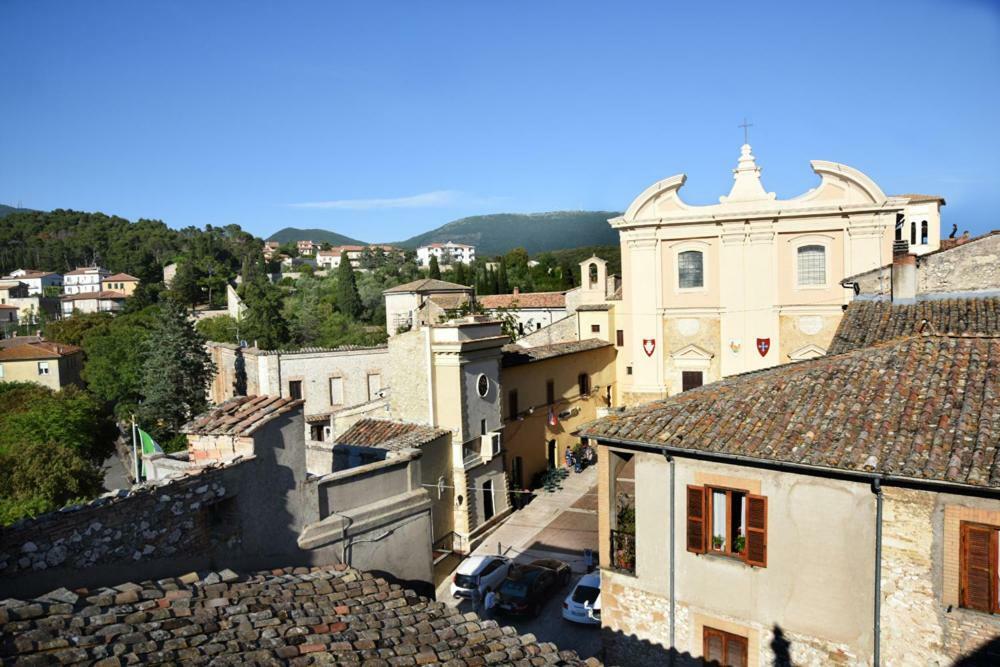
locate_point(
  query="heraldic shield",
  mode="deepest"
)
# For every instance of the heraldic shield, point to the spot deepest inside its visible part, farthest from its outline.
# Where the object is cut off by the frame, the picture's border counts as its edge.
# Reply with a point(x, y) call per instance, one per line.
point(763, 345)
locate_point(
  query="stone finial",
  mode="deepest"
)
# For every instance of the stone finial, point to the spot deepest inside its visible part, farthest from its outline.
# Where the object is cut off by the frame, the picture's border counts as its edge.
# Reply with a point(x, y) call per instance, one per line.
point(746, 177)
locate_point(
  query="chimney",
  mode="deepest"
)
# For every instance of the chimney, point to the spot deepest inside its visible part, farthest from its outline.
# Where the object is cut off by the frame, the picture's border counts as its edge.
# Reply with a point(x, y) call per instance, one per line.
point(904, 273)
point(516, 291)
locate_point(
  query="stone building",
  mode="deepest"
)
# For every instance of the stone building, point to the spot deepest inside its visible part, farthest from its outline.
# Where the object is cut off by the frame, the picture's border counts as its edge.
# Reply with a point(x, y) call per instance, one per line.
point(688, 313)
point(549, 392)
point(841, 510)
point(421, 302)
point(286, 615)
point(530, 310)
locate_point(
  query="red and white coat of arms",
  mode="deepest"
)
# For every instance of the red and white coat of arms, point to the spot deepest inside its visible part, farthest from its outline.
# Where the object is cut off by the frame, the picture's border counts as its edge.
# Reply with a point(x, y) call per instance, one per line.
point(763, 345)
point(649, 346)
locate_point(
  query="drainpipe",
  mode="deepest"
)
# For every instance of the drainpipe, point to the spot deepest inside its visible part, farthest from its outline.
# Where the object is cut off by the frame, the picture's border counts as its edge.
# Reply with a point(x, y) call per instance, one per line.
point(673, 532)
point(877, 490)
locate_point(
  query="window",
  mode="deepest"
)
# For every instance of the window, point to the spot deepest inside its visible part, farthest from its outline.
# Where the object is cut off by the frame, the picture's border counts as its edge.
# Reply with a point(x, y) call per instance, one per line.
point(723, 648)
point(812, 265)
point(512, 404)
point(628, 370)
point(550, 392)
point(374, 385)
point(691, 380)
point(729, 522)
point(978, 567)
point(482, 427)
point(923, 233)
point(295, 389)
point(899, 226)
point(316, 432)
point(620, 338)
point(595, 328)
point(495, 444)
point(584, 381)
point(690, 269)
point(336, 391)
point(913, 233)
point(43, 368)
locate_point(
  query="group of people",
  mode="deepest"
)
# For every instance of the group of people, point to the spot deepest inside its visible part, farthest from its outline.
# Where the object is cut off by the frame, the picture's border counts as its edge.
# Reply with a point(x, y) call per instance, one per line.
point(576, 460)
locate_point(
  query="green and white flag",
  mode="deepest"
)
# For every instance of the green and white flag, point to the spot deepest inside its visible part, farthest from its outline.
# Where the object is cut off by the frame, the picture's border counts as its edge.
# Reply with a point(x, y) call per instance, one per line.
point(149, 446)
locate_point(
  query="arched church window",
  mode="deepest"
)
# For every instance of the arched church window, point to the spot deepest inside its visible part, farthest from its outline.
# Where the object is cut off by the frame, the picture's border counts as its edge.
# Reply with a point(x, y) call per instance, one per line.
point(913, 233)
point(592, 274)
point(690, 269)
point(923, 233)
point(812, 265)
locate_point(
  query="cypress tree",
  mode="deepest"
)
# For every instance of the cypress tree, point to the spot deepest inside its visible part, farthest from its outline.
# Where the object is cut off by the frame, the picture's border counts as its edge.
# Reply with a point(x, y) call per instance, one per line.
point(459, 274)
point(434, 271)
point(348, 299)
point(176, 373)
point(503, 286)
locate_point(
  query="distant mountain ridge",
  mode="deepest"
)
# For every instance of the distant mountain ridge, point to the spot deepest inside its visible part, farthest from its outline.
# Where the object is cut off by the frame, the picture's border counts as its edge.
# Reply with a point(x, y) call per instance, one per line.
point(7, 210)
point(497, 233)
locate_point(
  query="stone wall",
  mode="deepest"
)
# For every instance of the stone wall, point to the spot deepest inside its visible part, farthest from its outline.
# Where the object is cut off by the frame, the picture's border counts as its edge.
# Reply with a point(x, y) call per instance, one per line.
point(563, 331)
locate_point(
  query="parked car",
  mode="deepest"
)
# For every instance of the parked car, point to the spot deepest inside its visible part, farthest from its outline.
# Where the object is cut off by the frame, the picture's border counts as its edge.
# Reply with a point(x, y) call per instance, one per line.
point(479, 572)
point(581, 605)
point(527, 587)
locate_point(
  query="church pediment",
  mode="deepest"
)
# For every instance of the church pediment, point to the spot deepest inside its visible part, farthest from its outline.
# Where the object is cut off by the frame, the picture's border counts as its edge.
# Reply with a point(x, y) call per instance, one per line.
point(807, 352)
point(692, 353)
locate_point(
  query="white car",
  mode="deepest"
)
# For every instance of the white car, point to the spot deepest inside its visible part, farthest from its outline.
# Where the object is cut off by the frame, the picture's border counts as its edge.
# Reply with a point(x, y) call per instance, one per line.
point(479, 572)
point(582, 605)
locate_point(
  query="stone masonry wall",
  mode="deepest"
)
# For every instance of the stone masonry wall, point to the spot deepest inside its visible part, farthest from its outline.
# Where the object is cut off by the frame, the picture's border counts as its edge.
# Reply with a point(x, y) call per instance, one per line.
point(156, 521)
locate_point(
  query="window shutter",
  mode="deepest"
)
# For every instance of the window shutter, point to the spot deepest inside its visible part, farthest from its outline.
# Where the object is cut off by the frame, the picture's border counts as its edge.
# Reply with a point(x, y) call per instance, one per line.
point(714, 649)
point(696, 519)
point(756, 523)
point(977, 567)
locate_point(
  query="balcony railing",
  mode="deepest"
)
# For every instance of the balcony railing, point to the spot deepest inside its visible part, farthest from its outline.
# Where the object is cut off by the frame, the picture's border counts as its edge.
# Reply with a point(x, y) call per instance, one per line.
point(623, 551)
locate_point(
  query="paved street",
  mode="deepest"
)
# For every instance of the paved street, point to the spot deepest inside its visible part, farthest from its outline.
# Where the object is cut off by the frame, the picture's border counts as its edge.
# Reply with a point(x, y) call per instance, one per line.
point(554, 525)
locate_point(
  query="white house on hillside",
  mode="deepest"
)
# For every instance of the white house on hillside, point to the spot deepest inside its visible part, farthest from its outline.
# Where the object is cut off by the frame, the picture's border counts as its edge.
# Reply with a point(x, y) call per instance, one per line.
point(84, 280)
point(446, 253)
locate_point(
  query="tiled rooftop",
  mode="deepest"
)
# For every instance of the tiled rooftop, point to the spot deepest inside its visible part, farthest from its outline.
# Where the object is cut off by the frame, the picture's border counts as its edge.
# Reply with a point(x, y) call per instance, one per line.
point(871, 322)
point(515, 355)
point(387, 434)
point(427, 285)
point(37, 350)
point(103, 294)
point(301, 616)
point(924, 407)
point(524, 300)
point(241, 415)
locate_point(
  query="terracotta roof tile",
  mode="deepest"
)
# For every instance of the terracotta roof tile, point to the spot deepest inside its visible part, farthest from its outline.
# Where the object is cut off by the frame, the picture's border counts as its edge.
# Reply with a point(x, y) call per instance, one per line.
point(870, 322)
point(324, 615)
point(241, 415)
point(103, 294)
point(524, 300)
point(37, 350)
point(387, 434)
point(427, 285)
point(515, 355)
point(924, 407)
point(123, 277)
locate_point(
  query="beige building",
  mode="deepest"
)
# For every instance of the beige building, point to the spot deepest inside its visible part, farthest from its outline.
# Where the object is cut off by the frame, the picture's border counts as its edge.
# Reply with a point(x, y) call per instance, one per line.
point(425, 301)
point(690, 313)
point(37, 281)
point(92, 302)
point(120, 282)
point(810, 514)
point(550, 391)
point(84, 280)
point(54, 365)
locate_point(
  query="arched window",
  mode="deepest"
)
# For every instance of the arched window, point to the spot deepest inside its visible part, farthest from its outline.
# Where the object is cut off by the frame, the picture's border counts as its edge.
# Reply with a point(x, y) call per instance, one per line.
point(812, 265)
point(592, 273)
point(913, 233)
point(923, 233)
point(690, 269)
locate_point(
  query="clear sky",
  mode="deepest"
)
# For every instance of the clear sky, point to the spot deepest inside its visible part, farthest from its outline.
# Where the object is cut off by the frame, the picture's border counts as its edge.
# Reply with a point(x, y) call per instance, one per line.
point(381, 120)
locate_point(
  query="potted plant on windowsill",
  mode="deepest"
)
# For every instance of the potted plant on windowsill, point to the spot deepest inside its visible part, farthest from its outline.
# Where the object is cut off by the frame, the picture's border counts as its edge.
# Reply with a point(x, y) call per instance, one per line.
point(718, 542)
point(740, 543)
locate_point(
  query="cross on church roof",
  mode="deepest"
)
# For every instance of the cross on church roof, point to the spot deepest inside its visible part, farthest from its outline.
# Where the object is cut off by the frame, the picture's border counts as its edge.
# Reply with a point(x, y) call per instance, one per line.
point(746, 130)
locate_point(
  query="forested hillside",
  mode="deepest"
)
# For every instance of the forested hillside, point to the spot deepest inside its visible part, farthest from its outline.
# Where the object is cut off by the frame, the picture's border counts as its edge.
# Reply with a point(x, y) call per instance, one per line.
point(292, 234)
point(535, 232)
point(62, 240)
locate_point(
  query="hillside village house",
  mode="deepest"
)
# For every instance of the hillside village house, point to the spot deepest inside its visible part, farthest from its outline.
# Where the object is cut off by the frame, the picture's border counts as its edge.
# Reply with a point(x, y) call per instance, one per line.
point(306, 248)
point(446, 253)
point(687, 314)
point(120, 282)
point(330, 259)
point(91, 301)
point(36, 281)
point(531, 310)
point(422, 302)
point(84, 280)
point(8, 316)
point(30, 307)
point(53, 365)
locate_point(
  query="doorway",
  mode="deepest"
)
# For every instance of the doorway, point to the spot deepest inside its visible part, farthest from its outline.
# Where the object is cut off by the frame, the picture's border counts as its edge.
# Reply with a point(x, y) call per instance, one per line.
point(517, 472)
point(488, 509)
point(553, 451)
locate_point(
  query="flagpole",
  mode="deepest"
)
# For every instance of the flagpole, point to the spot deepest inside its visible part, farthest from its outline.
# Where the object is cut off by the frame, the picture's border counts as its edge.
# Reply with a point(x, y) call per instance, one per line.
point(135, 451)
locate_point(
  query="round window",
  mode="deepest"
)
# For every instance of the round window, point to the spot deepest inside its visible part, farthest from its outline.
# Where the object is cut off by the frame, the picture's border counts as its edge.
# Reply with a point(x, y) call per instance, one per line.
point(483, 385)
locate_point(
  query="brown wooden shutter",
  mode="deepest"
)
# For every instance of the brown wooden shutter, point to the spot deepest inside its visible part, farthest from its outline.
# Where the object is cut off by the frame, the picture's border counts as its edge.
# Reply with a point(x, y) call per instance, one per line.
point(714, 646)
point(978, 567)
point(756, 523)
point(696, 519)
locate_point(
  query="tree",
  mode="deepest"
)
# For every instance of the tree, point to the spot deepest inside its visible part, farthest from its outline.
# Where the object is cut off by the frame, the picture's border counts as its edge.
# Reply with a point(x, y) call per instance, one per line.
point(433, 270)
point(185, 288)
point(263, 324)
point(221, 329)
point(503, 286)
point(348, 299)
point(175, 375)
point(458, 274)
point(41, 477)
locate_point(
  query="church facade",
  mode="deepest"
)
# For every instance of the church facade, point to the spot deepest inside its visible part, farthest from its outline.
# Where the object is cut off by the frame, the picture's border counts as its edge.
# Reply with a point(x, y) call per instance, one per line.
point(753, 281)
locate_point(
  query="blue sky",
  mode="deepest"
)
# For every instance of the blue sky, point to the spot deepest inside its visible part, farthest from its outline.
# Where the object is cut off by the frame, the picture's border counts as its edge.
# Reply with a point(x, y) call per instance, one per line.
point(381, 120)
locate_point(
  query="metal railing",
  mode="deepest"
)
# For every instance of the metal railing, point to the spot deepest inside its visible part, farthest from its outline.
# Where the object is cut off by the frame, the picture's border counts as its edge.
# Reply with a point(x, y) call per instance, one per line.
point(623, 551)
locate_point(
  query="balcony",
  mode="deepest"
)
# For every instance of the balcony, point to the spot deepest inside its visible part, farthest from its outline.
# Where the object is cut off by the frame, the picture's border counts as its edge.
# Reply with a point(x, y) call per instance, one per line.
point(623, 551)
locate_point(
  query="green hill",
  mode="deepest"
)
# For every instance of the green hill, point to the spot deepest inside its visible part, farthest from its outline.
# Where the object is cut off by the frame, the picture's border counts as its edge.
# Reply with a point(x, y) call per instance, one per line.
point(535, 232)
point(289, 234)
point(7, 210)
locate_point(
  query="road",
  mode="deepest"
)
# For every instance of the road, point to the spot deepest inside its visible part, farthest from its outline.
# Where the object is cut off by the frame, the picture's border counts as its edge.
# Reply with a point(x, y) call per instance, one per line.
point(554, 525)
